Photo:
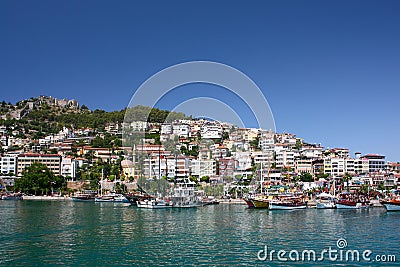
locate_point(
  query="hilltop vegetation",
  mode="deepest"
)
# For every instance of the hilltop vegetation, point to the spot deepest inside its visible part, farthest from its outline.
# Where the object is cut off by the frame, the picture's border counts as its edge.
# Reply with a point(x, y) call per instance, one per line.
point(47, 119)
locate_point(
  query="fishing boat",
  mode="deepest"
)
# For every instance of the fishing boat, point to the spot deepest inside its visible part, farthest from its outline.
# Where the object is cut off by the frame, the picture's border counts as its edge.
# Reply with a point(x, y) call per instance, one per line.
point(287, 203)
point(325, 201)
point(153, 204)
point(183, 195)
point(392, 204)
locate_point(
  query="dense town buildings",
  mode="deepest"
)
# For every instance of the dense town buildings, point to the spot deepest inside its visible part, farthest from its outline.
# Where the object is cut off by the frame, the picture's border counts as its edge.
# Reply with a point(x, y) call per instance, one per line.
point(195, 148)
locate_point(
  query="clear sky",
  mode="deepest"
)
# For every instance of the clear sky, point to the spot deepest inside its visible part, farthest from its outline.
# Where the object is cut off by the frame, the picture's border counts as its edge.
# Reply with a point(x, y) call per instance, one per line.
point(330, 70)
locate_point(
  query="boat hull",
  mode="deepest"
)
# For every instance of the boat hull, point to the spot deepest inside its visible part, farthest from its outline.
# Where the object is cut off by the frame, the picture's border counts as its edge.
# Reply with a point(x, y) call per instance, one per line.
point(80, 199)
point(113, 198)
point(357, 205)
point(391, 206)
point(153, 204)
point(260, 203)
point(286, 206)
point(327, 205)
point(6, 197)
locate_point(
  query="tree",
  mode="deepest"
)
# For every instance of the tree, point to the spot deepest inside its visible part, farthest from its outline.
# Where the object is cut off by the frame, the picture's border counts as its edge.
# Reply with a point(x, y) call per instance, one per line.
point(306, 177)
point(347, 178)
point(205, 179)
point(299, 144)
point(38, 178)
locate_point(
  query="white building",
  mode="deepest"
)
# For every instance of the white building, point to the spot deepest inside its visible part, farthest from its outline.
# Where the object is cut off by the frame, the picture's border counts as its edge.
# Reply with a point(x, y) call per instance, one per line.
point(285, 158)
point(202, 168)
point(8, 164)
point(303, 165)
point(68, 167)
point(312, 152)
point(211, 130)
point(181, 130)
point(171, 167)
point(166, 128)
point(243, 160)
point(138, 126)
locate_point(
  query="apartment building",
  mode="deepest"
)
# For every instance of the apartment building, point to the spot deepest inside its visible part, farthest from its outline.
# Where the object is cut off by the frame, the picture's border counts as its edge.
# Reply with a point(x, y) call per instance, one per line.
point(8, 164)
point(51, 161)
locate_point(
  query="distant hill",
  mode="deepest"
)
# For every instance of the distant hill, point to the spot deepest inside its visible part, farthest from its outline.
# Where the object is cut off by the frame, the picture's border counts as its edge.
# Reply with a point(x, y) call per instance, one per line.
point(37, 117)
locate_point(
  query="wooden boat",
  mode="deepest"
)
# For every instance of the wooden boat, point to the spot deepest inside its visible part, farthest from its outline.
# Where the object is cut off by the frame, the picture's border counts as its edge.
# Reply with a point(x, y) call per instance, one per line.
point(287, 203)
point(347, 201)
point(392, 204)
point(209, 201)
point(249, 202)
point(86, 196)
point(113, 197)
point(258, 202)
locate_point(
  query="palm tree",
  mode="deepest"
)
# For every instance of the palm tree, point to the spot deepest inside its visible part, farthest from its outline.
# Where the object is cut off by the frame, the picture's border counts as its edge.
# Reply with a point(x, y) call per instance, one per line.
point(347, 178)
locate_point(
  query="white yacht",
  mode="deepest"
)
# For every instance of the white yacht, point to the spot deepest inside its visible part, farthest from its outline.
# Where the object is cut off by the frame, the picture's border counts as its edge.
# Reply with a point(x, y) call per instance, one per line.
point(153, 204)
point(325, 201)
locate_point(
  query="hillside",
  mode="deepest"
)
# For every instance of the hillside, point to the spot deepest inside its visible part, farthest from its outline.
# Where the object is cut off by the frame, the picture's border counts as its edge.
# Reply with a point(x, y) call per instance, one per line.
point(38, 117)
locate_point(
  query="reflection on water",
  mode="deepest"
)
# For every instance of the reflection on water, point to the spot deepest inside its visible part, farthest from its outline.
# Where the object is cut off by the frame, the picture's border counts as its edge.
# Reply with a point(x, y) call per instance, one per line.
point(75, 233)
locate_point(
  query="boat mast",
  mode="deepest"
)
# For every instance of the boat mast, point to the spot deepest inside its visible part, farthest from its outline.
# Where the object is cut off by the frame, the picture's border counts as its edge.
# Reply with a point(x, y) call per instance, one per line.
point(262, 177)
point(101, 181)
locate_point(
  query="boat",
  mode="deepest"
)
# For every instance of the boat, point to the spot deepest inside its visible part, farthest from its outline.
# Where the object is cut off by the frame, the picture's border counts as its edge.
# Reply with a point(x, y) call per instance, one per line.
point(347, 201)
point(12, 196)
point(183, 195)
point(325, 201)
point(249, 202)
point(259, 202)
point(87, 196)
point(209, 201)
point(112, 197)
point(287, 203)
point(153, 204)
point(392, 204)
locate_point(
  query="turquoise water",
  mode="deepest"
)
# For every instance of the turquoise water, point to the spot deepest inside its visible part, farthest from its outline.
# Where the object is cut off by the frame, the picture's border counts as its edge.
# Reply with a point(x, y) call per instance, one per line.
point(37, 233)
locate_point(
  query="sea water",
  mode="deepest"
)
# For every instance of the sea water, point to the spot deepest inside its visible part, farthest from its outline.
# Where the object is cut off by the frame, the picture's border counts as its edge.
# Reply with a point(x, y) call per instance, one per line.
point(38, 233)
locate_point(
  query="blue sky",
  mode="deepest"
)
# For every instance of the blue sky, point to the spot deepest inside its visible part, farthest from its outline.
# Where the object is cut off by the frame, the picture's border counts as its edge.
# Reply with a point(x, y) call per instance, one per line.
point(330, 70)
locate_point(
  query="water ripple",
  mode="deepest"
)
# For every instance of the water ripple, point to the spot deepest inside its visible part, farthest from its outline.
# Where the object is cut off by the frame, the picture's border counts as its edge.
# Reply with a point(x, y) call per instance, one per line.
point(67, 233)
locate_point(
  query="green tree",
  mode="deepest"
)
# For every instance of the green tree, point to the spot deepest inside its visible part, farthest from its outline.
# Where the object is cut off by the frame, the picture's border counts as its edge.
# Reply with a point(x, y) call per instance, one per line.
point(37, 178)
point(306, 177)
point(347, 178)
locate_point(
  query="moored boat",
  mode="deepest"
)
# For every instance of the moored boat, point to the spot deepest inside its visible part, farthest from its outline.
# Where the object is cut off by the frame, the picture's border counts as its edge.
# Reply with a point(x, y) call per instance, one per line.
point(86, 196)
point(12, 196)
point(347, 201)
point(249, 202)
point(112, 197)
point(153, 204)
point(258, 202)
point(288, 203)
point(325, 201)
point(392, 204)
point(209, 201)
point(184, 195)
